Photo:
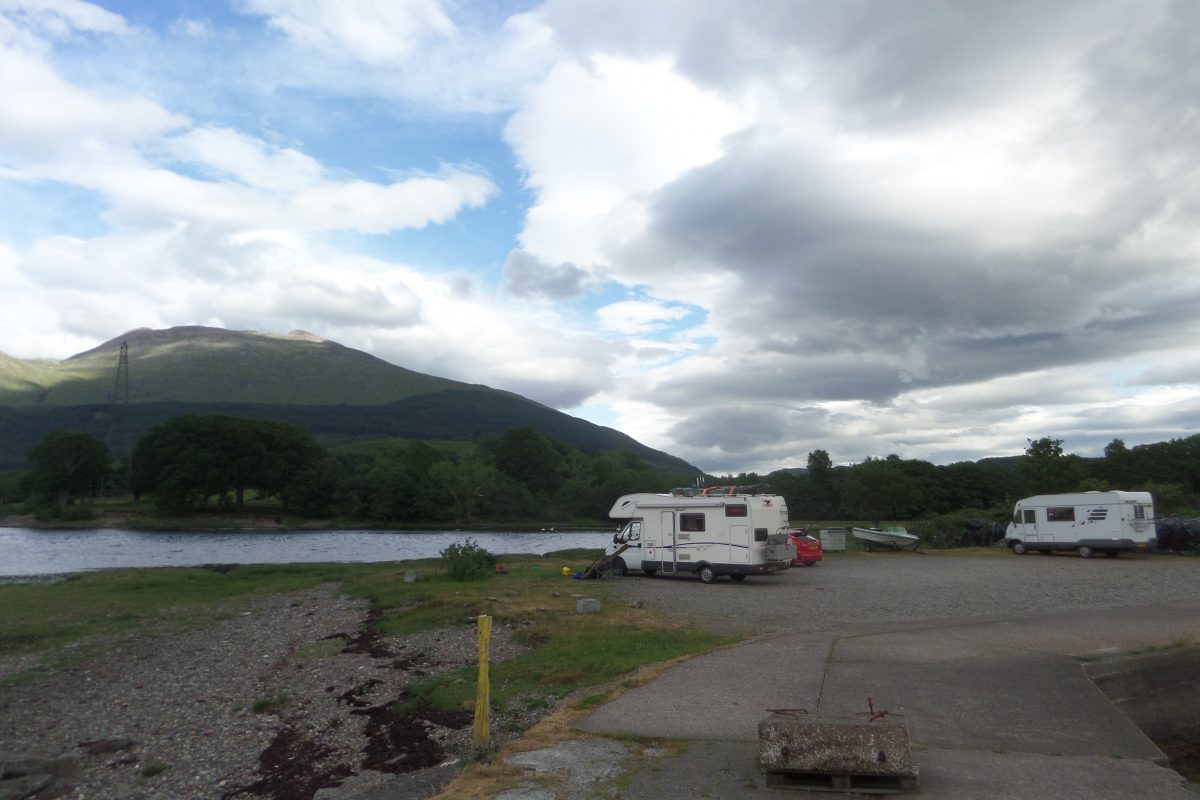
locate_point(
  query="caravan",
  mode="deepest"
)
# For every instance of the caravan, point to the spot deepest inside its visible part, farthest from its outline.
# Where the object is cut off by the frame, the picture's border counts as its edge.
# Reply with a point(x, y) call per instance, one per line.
point(731, 530)
point(1086, 522)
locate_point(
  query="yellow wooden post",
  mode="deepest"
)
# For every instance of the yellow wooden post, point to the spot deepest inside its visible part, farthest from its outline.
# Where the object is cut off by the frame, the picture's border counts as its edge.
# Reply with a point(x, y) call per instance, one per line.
point(483, 691)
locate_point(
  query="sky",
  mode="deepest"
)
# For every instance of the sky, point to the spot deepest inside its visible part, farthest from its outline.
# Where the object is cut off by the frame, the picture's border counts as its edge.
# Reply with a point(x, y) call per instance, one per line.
point(737, 230)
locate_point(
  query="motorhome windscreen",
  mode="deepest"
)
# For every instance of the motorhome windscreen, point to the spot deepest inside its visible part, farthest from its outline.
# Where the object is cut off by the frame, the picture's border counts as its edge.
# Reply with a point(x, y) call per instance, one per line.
point(1060, 513)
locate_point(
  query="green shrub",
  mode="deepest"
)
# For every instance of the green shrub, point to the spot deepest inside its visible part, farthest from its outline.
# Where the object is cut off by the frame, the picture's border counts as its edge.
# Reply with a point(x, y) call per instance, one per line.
point(269, 705)
point(467, 561)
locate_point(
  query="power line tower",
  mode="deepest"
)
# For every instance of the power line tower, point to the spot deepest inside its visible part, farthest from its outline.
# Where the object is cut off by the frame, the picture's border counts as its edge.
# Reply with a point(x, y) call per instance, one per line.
point(119, 443)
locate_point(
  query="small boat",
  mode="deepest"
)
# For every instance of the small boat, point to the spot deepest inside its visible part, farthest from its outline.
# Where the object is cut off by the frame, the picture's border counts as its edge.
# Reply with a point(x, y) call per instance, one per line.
point(892, 538)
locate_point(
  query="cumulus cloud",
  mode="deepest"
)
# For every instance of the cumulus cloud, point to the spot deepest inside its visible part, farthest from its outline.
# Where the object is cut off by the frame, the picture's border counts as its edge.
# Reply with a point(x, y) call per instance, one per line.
point(525, 275)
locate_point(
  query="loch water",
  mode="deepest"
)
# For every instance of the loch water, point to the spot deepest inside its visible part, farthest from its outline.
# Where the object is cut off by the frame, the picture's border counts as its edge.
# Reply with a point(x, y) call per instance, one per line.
point(34, 551)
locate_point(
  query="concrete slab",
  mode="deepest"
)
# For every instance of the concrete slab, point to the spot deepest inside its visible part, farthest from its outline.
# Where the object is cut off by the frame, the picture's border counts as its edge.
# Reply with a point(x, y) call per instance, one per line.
point(997, 707)
point(1078, 633)
point(722, 695)
point(1003, 702)
point(982, 775)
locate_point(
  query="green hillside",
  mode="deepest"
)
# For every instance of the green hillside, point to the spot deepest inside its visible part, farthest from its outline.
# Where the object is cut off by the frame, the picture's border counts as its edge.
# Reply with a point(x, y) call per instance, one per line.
point(339, 394)
point(215, 365)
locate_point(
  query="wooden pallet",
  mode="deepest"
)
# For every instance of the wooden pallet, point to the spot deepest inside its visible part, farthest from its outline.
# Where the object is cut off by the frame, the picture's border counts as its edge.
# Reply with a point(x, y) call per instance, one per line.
point(840, 782)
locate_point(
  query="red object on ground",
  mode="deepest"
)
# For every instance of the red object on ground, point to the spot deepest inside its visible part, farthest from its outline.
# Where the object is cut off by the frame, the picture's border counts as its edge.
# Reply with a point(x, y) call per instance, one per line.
point(500, 568)
point(808, 548)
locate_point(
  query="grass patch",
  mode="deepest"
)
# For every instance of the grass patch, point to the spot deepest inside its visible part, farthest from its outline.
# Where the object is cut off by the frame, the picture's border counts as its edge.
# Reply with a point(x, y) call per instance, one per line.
point(153, 768)
point(572, 654)
point(45, 616)
point(269, 705)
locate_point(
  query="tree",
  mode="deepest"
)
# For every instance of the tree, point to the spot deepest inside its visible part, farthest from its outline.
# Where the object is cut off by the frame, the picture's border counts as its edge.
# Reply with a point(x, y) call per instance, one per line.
point(189, 460)
point(881, 490)
point(528, 458)
point(68, 466)
point(1047, 470)
point(823, 499)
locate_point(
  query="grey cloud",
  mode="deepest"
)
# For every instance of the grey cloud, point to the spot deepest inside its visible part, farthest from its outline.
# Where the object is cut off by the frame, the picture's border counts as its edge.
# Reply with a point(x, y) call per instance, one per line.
point(525, 275)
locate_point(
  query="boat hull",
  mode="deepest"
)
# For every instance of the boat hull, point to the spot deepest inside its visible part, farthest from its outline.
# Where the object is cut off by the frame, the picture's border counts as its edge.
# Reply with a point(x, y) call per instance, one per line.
point(886, 540)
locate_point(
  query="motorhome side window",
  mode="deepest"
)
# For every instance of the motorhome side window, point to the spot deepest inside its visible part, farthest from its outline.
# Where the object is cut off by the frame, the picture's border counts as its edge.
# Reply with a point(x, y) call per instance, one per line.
point(1030, 516)
point(1139, 512)
point(691, 522)
point(1060, 513)
point(738, 510)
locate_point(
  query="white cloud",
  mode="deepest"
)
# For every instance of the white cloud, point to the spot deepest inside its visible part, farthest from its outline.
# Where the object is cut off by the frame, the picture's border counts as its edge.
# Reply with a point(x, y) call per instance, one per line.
point(373, 31)
point(638, 317)
point(595, 137)
point(374, 208)
point(229, 153)
point(43, 116)
point(60, 18)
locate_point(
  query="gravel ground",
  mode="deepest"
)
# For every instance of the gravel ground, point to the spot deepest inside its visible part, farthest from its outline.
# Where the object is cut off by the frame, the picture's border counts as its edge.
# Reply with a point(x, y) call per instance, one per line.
point(846, 590)
point(174, 716)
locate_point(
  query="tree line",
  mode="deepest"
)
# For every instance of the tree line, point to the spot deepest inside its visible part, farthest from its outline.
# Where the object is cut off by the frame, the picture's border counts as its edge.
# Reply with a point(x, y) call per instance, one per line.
point(893, 488)
point(203, 462)
point(213, 462)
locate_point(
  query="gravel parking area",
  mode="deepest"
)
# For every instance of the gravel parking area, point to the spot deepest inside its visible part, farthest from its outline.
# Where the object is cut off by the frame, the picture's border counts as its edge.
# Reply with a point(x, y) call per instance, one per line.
point(847, 590)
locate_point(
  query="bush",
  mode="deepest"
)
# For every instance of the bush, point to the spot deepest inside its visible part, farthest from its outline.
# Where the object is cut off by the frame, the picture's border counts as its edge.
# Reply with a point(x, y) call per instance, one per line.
point(467, 561)
point(966, 528)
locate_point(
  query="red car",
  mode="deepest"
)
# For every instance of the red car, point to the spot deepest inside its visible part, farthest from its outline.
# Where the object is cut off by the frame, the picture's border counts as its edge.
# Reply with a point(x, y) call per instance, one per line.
point(808, 548)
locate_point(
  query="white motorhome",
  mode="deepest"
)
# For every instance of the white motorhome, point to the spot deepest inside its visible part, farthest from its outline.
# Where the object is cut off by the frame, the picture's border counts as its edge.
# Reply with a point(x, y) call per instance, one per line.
point(1086, 522)
point(731, 530)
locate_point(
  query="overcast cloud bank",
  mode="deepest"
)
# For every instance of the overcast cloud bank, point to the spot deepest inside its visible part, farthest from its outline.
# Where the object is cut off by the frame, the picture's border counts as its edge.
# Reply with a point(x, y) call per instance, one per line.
point(738, 232)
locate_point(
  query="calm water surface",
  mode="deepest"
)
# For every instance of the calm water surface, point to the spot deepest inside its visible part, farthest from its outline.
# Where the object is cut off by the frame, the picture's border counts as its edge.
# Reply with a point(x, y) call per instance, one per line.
point(29, 551)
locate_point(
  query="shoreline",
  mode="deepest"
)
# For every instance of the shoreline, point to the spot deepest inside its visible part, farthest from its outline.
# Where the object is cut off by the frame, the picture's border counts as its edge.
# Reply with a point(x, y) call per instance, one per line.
point(250, 524)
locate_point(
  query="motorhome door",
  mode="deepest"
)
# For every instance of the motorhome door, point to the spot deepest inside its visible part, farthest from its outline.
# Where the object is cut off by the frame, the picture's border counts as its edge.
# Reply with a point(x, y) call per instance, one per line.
point(668, 541)
point(1025, 520)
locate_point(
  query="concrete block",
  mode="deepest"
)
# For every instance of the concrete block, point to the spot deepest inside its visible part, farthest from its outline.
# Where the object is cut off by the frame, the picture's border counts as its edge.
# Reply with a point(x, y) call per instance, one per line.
point(836, 746)
point(587, 605)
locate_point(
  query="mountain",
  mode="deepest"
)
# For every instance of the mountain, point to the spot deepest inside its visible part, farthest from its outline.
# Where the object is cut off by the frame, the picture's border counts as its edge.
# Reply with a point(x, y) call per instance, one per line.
point(338, 393)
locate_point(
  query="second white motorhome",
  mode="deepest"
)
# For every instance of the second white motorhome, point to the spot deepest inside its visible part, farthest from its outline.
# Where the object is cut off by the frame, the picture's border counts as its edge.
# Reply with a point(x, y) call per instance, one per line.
point(1086, 522)
point(730, 530)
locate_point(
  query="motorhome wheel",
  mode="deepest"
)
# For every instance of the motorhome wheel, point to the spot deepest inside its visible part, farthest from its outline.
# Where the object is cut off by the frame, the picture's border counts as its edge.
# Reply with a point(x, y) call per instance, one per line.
point(618, 567)
point(1019, 548)
point(1085, 551)
point(707, 574)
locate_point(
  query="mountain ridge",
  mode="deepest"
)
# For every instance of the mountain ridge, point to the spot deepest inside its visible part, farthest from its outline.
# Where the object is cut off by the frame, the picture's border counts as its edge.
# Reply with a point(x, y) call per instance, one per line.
point(337, 392)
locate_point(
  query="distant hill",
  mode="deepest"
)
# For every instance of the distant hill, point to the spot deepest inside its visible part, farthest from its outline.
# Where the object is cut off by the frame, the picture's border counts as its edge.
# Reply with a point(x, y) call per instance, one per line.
point(338, 393)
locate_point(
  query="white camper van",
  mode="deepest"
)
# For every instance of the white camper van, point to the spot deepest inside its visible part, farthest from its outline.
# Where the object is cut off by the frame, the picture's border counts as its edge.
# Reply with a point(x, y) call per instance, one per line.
point(1086, 522)
point(730, 530)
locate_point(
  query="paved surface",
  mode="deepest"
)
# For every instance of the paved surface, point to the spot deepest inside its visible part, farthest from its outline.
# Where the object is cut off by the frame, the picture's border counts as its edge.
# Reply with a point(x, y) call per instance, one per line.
point(998, 707)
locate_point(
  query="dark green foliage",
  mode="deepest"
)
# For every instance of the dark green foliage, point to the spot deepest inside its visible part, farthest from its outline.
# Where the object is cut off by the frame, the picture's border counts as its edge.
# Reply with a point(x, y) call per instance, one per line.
point(468, 561)
point(455, 413)
point(881, 489)
point(530, 459)
point(68, 466)
point(191, 460)
point(1047, 470)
